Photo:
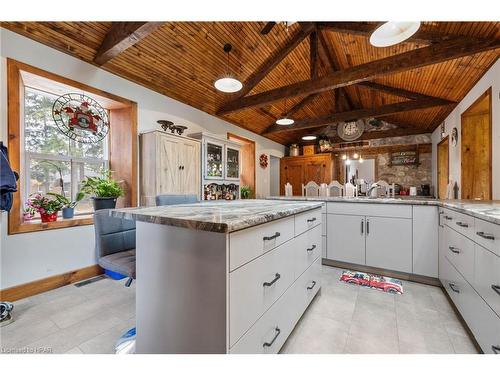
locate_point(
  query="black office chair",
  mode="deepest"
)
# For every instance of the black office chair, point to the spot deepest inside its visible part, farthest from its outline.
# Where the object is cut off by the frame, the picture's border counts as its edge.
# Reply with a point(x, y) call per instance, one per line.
point(115, 244)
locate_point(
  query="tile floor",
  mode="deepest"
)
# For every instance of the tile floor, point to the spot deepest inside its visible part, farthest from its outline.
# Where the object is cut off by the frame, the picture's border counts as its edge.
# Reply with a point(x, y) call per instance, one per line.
point(342, 319)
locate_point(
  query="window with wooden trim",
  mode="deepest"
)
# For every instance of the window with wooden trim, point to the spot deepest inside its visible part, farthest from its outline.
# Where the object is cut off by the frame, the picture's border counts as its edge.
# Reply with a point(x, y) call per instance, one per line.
point(47, 160)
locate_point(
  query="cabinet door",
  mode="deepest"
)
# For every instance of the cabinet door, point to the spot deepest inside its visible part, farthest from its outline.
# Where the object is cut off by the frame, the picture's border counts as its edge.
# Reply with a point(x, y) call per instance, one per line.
point(168, 173)
point(314, 171)
point(214, 160)
point(294, 174)
point(389, 243)
point(232, 163)
point(346, 238)
point(189, 175)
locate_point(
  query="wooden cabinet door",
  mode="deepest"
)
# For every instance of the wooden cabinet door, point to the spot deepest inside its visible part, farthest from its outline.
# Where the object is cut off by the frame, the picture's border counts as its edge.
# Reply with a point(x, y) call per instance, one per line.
point(389, 243)
point(346, 238)
point(293, 173)
point(314, 171)
point(189, 174)
point(168, 168)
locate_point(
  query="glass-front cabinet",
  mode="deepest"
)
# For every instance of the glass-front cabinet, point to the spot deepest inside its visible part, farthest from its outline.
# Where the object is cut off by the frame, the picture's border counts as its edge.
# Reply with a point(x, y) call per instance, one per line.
point(232, 163)
point(214, 153)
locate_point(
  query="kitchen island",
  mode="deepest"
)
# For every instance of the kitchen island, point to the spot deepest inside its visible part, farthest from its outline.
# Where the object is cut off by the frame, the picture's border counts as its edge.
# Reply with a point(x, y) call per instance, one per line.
point(224, 277)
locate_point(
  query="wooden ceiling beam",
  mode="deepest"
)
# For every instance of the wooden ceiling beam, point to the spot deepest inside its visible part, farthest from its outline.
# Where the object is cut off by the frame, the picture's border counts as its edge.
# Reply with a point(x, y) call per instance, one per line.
point(396, 91)
point(433, 54)
point(305, 29)
point(313, 54)
point(386, 110)
point(121, 36)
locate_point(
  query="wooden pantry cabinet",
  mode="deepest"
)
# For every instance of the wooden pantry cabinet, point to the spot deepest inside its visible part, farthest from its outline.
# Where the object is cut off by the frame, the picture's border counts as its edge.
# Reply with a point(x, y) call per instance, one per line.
point(298, 170)
point(169, 164)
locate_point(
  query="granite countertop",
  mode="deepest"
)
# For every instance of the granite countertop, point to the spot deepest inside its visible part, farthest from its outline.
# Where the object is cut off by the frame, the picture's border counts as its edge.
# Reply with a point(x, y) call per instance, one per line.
point(219, 216)
point(485, 210)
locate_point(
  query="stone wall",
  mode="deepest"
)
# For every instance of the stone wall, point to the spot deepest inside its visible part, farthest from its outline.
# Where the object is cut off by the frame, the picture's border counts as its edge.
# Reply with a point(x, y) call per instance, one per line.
point(405, 175)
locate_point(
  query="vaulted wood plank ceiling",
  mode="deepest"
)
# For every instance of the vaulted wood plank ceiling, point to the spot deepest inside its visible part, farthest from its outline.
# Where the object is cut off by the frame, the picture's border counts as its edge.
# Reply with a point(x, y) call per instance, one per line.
point(183, 59)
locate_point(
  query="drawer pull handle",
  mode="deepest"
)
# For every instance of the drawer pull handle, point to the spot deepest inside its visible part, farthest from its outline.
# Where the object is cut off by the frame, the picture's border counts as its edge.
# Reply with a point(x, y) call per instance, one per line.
point(496, 288)
point(486, 235)
point(463, 225)
point(278, 331)
point(311, 248)
point(276, 278)
point(495, 348)
point(448, 217)
point(311, 220)
point(312, 286)
point(452, 286)
point(269, 238)
point(454, 249)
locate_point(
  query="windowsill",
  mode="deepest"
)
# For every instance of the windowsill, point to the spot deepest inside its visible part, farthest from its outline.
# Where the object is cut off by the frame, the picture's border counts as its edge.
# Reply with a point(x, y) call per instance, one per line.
point(36, 224)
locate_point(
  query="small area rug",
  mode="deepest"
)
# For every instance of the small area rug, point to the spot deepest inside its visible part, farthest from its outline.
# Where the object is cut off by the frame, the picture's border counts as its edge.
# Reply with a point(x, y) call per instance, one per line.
point(368, 280)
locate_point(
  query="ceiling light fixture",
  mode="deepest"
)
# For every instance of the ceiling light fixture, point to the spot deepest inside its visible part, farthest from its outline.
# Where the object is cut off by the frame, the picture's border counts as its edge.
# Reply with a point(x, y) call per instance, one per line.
point(361, 160)
point(355, 155)
point(344, 157)
point(285, 120)
point(391, 33)
point(348, 162)
point(228, 83)
point(309, 137)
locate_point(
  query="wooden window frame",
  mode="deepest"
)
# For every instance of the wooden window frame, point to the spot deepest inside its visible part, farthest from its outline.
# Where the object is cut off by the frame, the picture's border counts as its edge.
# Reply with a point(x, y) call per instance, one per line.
point(122, 145)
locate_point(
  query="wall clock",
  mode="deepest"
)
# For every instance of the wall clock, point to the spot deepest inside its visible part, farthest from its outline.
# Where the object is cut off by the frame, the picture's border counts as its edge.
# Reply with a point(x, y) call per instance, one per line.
point(454, 136)
point(80, 118)
point(350, 130)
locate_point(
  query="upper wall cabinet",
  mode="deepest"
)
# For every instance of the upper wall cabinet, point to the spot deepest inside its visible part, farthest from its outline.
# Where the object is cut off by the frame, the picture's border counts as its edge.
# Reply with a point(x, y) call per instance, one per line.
point(170, 164)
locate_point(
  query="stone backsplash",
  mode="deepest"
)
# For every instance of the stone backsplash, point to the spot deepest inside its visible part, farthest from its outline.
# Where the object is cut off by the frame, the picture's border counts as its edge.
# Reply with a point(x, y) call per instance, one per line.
point(405, 175)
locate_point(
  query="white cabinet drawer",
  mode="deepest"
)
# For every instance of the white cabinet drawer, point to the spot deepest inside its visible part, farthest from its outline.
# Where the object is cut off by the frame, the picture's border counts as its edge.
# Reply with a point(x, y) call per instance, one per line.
point(323, 224)
point(460, 252)
point(488, 235)
point(307, 285)
point(463, 224)
point(250, 243)
point(370, 209)
point(254, 287)
point(270, 332)
point(453, 283)
point(307, 248)
point(487, 277)
point(307, 220)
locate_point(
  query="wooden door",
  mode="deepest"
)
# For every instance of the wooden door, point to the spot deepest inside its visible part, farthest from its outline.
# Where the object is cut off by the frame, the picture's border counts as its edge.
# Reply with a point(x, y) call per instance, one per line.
point(443, 167)
point(293, 173)
point(168, 173)
point(190, 173)
point(346, 238)
point(247, 156)
point(389, 243)
point(476, 140)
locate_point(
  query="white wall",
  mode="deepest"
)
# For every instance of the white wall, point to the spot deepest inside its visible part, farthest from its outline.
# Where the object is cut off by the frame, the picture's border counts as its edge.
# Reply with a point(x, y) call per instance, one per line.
point(490, 79)
point(27, 257)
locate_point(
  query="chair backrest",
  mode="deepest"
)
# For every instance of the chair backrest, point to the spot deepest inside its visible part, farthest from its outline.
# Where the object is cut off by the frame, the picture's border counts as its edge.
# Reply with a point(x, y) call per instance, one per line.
point(350, 190)
point(311, 189)
point(335, 189)
point(323, 190)
point(170, 199)
point(112, 234)
point(288, 190)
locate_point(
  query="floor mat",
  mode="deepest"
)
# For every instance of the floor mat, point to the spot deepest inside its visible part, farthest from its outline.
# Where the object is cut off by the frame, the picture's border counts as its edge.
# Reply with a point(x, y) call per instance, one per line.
point(383, 283)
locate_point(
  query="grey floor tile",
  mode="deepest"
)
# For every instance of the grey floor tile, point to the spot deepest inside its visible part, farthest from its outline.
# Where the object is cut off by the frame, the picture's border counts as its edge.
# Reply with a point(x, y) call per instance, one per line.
point(104, 343)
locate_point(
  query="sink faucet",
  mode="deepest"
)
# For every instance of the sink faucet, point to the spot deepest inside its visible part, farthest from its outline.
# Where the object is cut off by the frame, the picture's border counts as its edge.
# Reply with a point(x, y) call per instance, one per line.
point(373, 187)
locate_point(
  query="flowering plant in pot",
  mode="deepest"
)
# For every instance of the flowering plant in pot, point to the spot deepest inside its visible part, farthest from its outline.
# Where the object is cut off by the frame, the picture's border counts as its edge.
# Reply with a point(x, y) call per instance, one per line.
point(68, 206)
point(104, 190)
point(47, 207)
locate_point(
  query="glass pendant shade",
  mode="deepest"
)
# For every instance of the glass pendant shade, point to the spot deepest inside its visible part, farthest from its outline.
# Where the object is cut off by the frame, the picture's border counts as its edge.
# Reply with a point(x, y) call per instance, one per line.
point(228, 84)
point(391, 33)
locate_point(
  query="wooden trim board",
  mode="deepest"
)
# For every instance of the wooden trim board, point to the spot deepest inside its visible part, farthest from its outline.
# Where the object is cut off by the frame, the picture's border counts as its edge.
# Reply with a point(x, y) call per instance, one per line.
point(43, 285)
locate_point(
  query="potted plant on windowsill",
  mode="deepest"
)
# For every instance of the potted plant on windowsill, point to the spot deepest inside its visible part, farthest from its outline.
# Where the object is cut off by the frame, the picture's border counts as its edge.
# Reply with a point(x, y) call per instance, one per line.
point(47, 207)
point(68, 206)
point(104, 190)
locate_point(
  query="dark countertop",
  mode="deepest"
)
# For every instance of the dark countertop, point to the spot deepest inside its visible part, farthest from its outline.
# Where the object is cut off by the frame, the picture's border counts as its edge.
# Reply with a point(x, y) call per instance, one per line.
point(217, 216)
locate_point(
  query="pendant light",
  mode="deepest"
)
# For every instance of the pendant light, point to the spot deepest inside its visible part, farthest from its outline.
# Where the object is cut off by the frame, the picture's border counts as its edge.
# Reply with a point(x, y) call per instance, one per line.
point(309, 137)
point(228, 83)
point(284, 120)
point(391, 33)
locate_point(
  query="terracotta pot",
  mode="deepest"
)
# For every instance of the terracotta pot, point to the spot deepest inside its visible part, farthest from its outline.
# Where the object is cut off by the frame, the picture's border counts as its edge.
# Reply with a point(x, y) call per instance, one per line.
point(47, 218)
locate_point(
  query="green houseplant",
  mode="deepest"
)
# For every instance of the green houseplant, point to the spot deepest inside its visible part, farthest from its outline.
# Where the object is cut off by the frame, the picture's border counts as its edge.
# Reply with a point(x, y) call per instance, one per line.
point(47, 207)
point(245, 192)
point(104, 190)
point(68, 206)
